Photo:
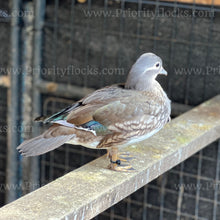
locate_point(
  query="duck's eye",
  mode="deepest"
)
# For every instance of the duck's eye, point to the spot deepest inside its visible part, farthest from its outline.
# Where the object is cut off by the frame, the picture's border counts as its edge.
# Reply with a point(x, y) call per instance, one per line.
point(157, 65)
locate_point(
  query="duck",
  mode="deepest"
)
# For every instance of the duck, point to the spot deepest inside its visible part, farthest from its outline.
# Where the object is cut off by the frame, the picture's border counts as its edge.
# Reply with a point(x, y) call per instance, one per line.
point(111, 117)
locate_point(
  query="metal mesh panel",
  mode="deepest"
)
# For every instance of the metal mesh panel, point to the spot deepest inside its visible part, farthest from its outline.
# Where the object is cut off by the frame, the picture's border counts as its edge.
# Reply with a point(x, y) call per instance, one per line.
point(105, 34)
point(3, 133)
point(4, 56)
point(4, 37)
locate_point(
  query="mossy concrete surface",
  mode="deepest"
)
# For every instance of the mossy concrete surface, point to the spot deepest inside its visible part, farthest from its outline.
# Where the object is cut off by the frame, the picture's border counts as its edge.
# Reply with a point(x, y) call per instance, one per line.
point(89, 190)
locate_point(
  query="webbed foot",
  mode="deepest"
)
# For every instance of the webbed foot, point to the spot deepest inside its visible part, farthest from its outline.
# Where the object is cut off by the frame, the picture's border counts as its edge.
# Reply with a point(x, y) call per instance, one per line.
point(119, 161)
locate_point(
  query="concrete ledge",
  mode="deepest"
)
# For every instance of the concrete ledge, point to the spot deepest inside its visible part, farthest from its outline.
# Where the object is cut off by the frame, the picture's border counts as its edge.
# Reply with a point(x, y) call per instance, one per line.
point(89, 190)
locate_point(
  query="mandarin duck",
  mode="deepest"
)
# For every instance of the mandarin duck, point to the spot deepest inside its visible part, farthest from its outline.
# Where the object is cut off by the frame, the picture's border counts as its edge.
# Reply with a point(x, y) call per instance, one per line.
point(110, 118)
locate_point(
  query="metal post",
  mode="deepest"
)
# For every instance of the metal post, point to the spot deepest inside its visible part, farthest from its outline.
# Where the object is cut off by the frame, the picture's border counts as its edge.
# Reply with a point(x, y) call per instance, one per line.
point(28, 181)
point(13, 135)
point(40, 6)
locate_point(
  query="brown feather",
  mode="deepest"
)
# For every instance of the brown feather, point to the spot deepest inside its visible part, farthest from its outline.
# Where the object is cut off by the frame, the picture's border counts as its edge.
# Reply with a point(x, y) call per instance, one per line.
point(52, 138)
point(82, 115)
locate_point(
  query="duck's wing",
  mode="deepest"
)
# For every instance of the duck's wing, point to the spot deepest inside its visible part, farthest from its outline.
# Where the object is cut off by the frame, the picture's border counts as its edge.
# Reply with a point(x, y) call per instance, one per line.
point(81, 111)
point(131, 117)
point(61, 115)
point(76, 120)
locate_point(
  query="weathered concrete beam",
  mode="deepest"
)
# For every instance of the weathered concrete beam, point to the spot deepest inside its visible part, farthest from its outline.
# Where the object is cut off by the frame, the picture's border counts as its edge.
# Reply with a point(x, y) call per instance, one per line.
point(89, 190)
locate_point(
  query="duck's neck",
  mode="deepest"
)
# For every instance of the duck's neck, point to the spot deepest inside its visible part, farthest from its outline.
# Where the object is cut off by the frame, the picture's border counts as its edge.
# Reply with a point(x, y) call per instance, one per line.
point(140, 85)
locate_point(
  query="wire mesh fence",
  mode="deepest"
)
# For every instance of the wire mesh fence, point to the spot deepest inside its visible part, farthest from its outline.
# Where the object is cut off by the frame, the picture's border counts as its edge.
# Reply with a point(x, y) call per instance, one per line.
point(3, 141)
point(4, 58)
point(111, 34)
point(94, 44)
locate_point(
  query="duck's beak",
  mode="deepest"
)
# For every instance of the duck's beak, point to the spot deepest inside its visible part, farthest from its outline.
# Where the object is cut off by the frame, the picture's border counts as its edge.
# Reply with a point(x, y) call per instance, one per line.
point(163, 71)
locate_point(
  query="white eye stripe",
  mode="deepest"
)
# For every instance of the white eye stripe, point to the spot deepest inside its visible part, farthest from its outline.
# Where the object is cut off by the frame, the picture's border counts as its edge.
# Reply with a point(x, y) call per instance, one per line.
point(154, 67)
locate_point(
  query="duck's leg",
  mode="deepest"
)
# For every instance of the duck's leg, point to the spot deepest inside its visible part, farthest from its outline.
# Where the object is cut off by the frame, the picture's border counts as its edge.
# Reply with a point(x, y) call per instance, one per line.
point(122, 156)
point(108, 154)
point(115, 162)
